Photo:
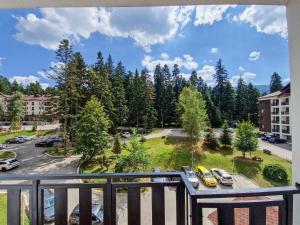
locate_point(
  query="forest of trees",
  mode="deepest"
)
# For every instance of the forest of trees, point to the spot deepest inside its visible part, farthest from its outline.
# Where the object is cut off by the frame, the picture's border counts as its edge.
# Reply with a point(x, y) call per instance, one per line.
point(136, 98)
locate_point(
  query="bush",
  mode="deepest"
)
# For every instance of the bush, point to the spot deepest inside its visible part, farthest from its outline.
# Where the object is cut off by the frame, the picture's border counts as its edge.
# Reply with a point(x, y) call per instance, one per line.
point(34, 127)
point(211, 140)
point(226, 137)
point(143, 139)
point(276, 173)
point(268, 152)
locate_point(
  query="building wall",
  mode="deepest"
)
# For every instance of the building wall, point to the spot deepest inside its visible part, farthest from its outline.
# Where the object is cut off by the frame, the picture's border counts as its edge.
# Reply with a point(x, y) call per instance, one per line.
point(264, 108)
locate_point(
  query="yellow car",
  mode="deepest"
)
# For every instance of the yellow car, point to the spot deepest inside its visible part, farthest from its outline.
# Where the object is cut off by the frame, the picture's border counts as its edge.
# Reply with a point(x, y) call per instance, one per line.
point(207, 178)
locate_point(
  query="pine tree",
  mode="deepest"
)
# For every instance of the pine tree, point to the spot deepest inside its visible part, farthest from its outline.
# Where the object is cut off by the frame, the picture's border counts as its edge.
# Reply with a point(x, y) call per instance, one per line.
point(5, 86)
point(275, 83)
point(228, 98)
point(241, 100)
point(34, 89)
point(213, 112)
point(226, 137)
point(119, 97)
point(117, 147)
point(160, 102)
point(252, 94)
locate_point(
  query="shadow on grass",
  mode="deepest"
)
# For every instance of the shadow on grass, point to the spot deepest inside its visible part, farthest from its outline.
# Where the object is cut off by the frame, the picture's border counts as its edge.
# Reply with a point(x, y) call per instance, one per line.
point(248, 168)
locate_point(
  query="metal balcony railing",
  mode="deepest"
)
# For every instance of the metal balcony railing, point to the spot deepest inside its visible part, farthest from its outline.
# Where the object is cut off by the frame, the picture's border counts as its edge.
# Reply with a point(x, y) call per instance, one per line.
point(275, 121)
point(275, 130)
point(275, 104)
point(275, 112)
point(285, 131)
point(189, 201)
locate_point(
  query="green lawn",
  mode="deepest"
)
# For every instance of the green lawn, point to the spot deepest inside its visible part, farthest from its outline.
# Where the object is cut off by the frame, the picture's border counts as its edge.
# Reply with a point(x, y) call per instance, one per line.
point(59, 151)
point(6, 155)
point(3, 211)
point(8, 135)
point(173, 153)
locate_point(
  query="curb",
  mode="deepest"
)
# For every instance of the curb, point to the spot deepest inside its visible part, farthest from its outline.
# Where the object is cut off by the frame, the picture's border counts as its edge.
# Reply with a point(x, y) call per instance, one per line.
point(15, 154)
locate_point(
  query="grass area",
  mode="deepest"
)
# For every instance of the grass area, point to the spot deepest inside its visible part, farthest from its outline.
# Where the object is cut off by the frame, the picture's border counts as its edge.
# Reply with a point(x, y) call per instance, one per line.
point(173, 153)
point(8, 135)
point(6, 155)
point(59, 151)
point(3, 211)
point(156, 131)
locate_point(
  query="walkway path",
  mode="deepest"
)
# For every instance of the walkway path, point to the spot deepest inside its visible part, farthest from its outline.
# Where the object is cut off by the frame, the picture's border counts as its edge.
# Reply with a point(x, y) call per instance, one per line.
point(276, 149)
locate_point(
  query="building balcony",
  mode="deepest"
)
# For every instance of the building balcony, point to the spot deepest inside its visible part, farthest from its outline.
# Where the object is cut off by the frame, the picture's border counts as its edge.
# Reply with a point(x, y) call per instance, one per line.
point(190, 204)
point(285, 103)
point(275, 113)
point(275, 121)
point(285, 131)
point(285, 122)
point(275, 130)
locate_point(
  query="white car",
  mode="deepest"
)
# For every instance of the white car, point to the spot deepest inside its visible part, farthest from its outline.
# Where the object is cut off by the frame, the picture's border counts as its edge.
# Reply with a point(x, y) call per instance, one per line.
point(126, 134)
point(2, 146)
point(26, 138)
point(8, 164)
point(222, 176)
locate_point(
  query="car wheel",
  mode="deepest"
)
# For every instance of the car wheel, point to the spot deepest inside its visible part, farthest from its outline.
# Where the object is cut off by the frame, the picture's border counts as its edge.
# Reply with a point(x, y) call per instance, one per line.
point(3, 169)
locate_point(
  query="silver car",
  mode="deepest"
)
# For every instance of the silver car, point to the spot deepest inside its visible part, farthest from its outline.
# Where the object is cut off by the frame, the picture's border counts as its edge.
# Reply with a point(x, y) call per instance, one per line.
point(97, 215)
point(191, 176)
point(222, 176)
point(8, 164)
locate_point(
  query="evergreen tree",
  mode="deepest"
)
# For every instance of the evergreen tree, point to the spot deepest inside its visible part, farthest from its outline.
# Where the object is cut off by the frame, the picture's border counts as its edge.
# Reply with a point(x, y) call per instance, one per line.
point(222, 92)
point(5, 86)
point(169, 97)
point(275, 83)
point(34, 89)
point(226, 137)
point(160, 101)
point(252, 109)
point(228, 98)
point(110, 66)
point(213, 112)
point(193, 79)
point(211, 140)
point(241, 100)
point(117, 147)
point(119, 97)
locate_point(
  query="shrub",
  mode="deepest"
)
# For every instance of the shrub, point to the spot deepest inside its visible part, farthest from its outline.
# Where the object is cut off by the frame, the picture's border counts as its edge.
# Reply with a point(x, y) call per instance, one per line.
point(276, 173)
point(143, 139)
point(34, 127)
point(268, 152)
point(211, 140)
point(226, 137)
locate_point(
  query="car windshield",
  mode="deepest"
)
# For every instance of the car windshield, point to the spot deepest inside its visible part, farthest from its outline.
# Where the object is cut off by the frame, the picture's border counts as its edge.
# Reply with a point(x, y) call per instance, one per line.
point(190, 174)
point(207, 175)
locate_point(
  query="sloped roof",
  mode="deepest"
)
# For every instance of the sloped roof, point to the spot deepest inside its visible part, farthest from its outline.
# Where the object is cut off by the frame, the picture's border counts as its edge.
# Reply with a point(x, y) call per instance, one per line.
point(283, 91)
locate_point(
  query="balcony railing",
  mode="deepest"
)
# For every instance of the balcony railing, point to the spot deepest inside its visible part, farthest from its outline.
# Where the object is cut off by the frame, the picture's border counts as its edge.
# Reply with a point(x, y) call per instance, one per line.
point(275, 104)
point(285, 122)
point(275, 130)
point(285, 131)
point(275, 121)
point(190, 203)
point(275, 112)
point(285, 112)
point(285, 103)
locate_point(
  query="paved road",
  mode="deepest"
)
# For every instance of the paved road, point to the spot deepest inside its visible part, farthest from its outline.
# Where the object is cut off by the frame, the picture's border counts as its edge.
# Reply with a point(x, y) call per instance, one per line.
point(282, 150)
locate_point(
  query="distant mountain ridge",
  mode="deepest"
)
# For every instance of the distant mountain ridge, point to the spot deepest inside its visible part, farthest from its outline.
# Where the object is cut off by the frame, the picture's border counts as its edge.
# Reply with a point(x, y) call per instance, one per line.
point(263, 88)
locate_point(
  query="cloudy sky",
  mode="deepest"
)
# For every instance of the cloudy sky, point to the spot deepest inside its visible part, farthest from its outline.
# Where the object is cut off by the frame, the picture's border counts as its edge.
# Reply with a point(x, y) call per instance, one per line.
point(251, 40)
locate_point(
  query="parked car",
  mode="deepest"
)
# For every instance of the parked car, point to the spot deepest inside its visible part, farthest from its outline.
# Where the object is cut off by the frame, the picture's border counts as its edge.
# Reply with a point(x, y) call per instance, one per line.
point(2, 146)
point(8, 164)
point(266, 137)
point(207, 178)
point(158, 179)
point(44, 143)
point(192, 178)
point(16, 140)
point(277, 140)
point(97, 215)
point(26, 138)
point(126, 134)
point(2, 129)
point(49, 215)
point(222, 176)
point(56, 139)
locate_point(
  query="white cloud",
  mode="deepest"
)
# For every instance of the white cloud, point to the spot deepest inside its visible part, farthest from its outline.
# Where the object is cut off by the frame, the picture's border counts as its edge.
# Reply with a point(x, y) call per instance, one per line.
point(247, 77)
point(24, 80)
point(207, 72)
point(214, 50)
point(146, 26)
point(286, 80)
point(242, 69)
point(253, 56)
point(208, 14)
point(266, 19)
point(186, 61)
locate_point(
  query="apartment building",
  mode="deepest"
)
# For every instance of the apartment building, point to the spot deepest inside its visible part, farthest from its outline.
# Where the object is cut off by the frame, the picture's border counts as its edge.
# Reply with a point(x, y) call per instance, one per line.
point(274, 113)
point(35, 107)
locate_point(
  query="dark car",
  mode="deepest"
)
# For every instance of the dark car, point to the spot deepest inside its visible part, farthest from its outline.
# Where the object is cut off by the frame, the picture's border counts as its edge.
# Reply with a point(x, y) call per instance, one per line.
point(56, 139)
point(173, 178)
point(48, 206)
point(44, 143)
point(267, 137)
point(17, 140)
point(97, 215)
point(277, 140)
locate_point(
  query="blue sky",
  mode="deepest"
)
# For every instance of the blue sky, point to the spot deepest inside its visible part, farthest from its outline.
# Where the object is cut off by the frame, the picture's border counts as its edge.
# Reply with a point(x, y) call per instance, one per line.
point(251, 40)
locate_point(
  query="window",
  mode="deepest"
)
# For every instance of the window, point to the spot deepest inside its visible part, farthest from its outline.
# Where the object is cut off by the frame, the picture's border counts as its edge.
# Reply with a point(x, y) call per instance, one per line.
point(32, 103)
point(32, 108)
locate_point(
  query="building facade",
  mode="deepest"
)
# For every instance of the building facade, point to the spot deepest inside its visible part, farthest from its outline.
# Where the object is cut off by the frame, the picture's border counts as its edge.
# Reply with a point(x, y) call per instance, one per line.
point(274, 113)
point(35, 107)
